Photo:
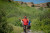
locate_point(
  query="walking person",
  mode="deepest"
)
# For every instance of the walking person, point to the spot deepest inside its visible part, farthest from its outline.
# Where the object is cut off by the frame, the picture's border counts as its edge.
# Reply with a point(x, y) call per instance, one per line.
point(25, 23)
point(29, 26)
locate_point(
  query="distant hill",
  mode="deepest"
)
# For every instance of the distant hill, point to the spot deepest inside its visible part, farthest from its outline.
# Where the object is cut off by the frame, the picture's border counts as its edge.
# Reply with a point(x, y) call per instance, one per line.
point(43, 4)
point(31, 4)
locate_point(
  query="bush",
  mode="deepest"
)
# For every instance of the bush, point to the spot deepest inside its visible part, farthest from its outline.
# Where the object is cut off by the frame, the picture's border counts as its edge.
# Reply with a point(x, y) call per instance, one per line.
point(4, 28)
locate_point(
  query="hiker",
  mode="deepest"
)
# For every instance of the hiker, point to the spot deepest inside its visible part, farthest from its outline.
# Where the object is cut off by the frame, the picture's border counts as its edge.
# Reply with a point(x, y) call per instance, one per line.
point(25, 23)
point(22, 22)
point(29, 26)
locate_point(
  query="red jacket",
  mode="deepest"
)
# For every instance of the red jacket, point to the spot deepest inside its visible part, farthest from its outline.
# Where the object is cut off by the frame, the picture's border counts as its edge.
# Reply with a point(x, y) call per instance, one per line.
point(25, 21)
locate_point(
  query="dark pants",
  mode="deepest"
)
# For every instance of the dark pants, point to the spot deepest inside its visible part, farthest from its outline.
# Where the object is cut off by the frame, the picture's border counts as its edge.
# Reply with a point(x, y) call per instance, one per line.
point(28, 27)
point(25, 28)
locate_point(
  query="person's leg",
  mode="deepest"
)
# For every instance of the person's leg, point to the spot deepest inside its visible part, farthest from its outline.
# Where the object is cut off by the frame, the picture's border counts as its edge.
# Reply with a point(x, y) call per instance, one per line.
point(28, 28)
point(24, 27)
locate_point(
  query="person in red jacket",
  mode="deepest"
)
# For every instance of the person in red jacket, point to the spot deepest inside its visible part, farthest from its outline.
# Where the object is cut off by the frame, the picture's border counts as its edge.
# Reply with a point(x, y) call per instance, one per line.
point(25, 23)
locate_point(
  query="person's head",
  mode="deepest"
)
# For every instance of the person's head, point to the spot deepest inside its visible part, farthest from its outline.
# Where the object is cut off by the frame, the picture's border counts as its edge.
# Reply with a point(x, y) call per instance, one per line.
point(30, 20)
point(25, 17)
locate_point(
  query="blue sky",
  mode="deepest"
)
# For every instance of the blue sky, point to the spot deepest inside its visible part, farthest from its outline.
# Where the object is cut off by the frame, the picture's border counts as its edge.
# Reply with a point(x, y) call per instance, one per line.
point(35, 1)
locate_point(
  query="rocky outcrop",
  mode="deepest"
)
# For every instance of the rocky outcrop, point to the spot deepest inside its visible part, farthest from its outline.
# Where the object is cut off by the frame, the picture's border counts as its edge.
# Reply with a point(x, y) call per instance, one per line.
point(41, 5)
point(31, 4)
point(37, 5)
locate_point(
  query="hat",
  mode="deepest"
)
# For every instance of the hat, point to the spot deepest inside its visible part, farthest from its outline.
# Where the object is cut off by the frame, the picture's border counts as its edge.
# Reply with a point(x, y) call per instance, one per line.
point(25, 16)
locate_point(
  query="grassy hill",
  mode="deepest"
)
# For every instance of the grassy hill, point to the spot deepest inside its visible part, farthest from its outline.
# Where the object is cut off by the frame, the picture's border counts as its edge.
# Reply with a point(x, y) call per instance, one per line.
point(40, 17)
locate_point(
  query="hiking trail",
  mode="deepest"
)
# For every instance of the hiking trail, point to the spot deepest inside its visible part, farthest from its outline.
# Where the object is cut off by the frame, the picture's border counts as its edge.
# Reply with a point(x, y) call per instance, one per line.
point(35, 32)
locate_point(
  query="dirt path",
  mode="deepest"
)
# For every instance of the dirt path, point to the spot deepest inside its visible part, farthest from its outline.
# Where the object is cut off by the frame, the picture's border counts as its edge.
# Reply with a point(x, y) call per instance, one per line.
point(38, 32)
point(28, 32)
point(35, 32)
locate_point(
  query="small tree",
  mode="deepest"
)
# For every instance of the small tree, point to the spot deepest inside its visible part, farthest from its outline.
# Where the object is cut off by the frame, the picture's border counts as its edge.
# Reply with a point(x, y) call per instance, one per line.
point(48, 4)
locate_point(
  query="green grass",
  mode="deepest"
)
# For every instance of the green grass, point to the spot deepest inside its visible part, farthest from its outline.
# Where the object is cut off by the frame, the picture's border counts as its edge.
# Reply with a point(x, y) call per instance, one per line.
point(17, 29)
point(15, 11)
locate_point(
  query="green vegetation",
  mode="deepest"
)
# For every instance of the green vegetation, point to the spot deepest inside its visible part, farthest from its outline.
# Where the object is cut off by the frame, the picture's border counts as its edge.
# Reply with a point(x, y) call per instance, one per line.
point(10, 13)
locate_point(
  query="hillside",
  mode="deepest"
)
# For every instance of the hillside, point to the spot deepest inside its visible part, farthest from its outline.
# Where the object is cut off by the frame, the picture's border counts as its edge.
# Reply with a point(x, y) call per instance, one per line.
point(31, 4)
point(40, 17)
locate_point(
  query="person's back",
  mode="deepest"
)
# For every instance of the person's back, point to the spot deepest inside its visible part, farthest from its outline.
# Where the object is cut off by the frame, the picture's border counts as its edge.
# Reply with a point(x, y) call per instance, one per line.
point(25, 21)
point(29, 26)
point(29, 23)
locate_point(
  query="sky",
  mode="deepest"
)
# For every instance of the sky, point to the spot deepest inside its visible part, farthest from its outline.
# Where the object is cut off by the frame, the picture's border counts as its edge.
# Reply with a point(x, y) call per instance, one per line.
point(35, 1)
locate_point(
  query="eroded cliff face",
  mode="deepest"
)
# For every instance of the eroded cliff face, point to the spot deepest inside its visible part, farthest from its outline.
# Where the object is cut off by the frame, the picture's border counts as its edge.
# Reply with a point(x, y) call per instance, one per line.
point(41, 5)
point(31, 4)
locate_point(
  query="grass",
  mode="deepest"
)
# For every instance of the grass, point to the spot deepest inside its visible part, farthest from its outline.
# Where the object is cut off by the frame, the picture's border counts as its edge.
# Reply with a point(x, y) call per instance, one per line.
point(17, 29)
